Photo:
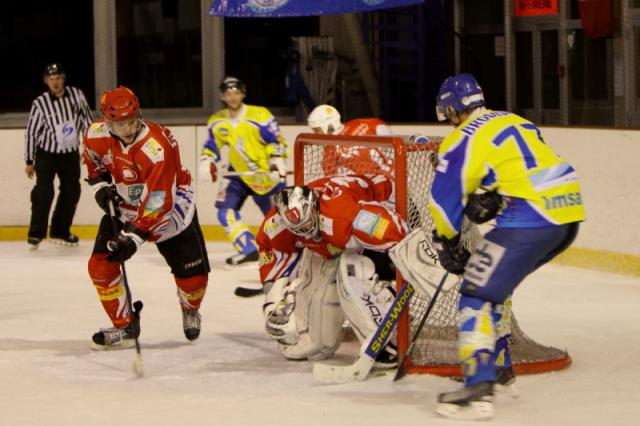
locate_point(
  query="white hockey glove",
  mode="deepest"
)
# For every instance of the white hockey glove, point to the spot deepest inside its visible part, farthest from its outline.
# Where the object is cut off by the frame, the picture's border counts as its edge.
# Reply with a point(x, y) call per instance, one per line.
point(278, 168)
point(207, 168)
point(279, 304)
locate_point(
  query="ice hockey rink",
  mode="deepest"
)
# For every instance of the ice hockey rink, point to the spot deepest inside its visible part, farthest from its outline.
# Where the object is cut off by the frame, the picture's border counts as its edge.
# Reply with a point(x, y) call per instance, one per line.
point(232, 375)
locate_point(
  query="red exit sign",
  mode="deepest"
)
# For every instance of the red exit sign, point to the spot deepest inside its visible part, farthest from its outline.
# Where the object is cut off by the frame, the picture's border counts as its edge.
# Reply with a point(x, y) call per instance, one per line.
point(535, 7)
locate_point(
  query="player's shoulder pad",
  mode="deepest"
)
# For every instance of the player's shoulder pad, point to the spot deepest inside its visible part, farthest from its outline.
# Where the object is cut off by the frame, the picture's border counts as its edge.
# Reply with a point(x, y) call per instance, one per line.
point(98, 129)
point(258, 113)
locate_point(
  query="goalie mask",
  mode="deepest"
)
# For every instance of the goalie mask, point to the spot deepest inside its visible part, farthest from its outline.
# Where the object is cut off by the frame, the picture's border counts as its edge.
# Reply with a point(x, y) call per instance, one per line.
point(299, 209)
point(326, 119)
point(458, 94)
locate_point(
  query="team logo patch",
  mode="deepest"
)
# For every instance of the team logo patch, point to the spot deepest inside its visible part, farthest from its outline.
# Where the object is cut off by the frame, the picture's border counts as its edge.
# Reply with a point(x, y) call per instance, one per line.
point(134, 192)
point(154, 203)
point(266, 6)
point(153, 150)
point(443, 165)
point(293, 216)
point(326, 225)
point(129, 174)
point(97, 130)
point(366, 222)
point(483, 262)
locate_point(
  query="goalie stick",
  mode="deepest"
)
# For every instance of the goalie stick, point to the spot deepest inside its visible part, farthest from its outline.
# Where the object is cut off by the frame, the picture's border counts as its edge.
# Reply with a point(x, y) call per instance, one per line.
point(370, 349)
point(401, 371)
point(234, 173)
point(135, 307)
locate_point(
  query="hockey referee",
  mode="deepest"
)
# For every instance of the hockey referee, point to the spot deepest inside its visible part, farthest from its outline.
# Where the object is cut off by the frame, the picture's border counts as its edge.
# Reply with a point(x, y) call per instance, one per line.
point(57, 120)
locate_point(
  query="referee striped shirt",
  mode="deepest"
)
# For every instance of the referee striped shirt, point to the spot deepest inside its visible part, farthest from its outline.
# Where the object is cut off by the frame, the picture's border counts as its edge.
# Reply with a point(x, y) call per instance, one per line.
point(56, 124)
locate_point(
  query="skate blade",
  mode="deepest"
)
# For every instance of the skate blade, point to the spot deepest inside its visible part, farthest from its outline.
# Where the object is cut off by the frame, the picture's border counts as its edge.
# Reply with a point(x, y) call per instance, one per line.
point(60, 242)
point(33, 247)
point(126, 344)
point(477, 410)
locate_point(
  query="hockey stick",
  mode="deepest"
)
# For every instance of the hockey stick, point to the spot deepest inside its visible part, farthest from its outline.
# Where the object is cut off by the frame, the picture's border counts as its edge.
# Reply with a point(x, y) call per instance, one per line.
point(257, 173)
point(134, 308)
point(247, 292)
point(401, 371)
point(370, 349)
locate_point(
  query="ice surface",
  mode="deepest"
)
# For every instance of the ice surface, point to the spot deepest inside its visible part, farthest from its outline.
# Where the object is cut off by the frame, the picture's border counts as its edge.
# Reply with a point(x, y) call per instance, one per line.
point(232, 375)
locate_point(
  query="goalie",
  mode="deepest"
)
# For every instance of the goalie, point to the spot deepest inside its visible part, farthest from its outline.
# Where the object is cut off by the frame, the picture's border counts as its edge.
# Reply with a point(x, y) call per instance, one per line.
point(341, 222)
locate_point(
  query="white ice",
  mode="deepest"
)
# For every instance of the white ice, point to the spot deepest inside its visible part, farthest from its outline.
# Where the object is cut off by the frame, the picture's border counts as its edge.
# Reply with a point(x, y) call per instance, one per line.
point(233, 376)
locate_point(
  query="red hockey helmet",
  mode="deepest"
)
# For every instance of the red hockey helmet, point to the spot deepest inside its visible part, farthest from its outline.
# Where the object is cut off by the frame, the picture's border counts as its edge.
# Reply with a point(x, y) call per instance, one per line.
point(119, 104)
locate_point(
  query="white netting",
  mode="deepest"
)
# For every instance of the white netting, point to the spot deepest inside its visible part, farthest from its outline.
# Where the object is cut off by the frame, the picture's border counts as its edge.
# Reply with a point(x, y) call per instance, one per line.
point(436, 350)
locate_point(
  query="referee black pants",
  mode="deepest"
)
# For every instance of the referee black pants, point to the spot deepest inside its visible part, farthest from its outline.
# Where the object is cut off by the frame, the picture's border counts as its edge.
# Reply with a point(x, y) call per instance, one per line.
point(67, 168)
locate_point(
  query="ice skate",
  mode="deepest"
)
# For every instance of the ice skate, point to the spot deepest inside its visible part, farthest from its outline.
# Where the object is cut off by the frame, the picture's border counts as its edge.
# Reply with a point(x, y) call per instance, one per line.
point(191, 324)
point(242, 261)
point(474, 402)
point(70, 240)
point(115, 338)
point(34, 243)
point(505, 382)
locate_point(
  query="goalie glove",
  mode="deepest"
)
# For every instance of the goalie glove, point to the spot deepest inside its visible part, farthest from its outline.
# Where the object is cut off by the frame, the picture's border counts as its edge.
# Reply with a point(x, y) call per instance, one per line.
point(279, 305)
point(452, 256)
point(278, 168)
point(482, 208)
point(207, 168)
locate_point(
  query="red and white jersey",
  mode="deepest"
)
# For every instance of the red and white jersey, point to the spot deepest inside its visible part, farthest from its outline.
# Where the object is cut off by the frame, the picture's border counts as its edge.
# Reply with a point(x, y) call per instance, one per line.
point(346, 160)
point(354, 214)
point(148, 174)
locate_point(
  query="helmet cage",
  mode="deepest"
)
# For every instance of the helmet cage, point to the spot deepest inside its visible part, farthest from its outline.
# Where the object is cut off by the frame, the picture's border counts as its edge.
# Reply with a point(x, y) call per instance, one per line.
point(298, 208)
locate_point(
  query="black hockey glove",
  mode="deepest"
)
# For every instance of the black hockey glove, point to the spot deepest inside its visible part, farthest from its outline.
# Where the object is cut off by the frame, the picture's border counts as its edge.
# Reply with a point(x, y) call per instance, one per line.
point(452, 257)
point(123, 246)
point(482, 208)
point(108, 194)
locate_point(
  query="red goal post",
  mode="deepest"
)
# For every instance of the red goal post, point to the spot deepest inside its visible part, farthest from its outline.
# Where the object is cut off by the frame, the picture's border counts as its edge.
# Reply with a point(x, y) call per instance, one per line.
point(412, 167)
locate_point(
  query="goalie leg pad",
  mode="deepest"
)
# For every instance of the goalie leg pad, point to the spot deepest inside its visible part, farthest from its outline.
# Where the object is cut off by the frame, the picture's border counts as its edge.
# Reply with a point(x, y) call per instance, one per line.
point(364, 299)
point(318, 316)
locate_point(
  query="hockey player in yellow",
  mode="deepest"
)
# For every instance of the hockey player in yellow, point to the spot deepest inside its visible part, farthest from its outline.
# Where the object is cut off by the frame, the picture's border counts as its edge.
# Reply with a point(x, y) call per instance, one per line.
point(257, 153)
point(535, 198)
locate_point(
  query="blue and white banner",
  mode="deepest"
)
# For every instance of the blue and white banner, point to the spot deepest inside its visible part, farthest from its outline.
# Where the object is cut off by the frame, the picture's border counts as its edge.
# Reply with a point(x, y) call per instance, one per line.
point(284, 8)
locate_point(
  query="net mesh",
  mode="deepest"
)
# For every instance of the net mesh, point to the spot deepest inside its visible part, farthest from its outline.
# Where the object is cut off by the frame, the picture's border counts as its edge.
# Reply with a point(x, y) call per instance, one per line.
point(400, 158)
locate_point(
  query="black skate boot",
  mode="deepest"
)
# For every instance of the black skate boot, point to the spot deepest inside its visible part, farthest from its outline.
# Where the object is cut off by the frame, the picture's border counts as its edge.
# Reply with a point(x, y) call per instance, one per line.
point(70, 240)
point(191, 324)
point(34, 243)
point(505, 382)
point(119, 338)
point(242, 261)
point(115, 338)
point(474, 402)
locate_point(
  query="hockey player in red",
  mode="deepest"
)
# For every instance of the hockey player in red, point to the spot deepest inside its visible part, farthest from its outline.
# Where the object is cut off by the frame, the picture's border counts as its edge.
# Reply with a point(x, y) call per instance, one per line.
point(343, 159)
point(135, 164)
point(307, 297)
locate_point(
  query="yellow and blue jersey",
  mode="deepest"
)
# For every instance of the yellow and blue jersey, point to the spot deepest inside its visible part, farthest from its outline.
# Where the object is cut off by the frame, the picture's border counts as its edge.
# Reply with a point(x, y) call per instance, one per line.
point(502, 151)
point(253, 137)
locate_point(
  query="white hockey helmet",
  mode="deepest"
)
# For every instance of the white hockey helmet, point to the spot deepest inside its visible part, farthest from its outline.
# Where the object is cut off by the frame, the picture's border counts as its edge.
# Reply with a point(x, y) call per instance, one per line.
point(325, 117)
point(299, 209)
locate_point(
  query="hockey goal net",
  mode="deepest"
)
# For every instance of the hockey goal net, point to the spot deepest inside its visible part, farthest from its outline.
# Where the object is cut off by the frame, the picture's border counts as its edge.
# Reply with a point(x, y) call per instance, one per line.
point(411, 166)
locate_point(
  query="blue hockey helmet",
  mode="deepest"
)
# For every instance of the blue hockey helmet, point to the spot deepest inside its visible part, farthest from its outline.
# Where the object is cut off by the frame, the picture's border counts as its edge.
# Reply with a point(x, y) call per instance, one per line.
point(458, 93)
